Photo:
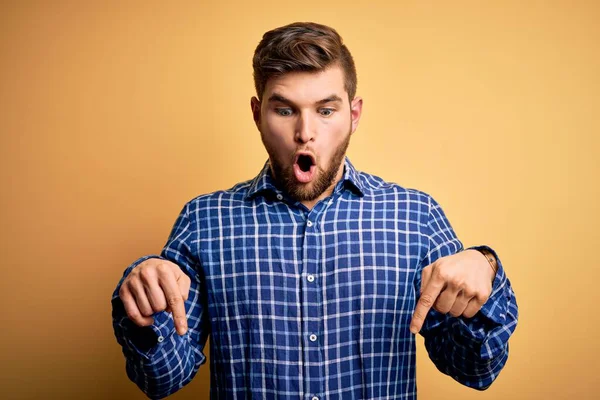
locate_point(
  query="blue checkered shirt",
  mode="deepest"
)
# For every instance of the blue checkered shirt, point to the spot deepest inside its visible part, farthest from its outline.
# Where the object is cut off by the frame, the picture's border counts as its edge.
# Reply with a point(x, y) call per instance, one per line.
point(312, 304)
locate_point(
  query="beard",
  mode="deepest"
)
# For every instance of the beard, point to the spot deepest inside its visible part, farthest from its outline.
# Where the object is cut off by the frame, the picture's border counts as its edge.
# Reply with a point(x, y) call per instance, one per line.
point(324, 178)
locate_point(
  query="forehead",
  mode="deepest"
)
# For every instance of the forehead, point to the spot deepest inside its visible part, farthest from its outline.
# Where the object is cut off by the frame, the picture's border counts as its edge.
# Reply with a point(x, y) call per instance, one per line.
point(308, 87)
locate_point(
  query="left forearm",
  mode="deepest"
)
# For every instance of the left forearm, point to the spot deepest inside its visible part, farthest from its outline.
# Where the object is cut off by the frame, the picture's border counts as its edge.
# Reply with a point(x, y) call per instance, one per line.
point(474, 350)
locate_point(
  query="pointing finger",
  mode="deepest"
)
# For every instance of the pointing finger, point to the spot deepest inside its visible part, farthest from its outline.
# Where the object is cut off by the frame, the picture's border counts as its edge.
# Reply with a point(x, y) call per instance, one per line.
point(428, 297)
point(174, 301)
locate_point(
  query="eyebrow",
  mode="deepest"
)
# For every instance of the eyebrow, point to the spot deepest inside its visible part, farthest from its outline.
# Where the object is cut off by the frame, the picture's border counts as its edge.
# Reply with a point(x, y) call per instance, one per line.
point(276, 97)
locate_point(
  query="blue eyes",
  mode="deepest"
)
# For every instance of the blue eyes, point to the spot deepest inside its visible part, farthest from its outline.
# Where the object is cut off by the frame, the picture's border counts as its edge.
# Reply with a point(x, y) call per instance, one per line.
point(286, 112)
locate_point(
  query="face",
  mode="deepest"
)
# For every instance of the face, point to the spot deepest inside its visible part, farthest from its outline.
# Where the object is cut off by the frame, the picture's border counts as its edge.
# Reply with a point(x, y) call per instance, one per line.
point(305, 120)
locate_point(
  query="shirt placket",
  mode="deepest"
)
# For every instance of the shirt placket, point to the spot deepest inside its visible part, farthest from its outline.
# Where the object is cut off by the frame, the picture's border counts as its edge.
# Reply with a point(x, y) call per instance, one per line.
point(311, 298)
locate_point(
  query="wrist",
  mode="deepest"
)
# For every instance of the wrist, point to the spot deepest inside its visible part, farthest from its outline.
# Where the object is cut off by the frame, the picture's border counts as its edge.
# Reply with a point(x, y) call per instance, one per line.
point(491, 260)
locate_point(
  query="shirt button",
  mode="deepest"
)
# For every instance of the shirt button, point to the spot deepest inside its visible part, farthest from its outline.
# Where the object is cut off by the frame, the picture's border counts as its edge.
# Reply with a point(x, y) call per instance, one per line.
point(160, 339)
point(309, 224)
point(315, 398)
point(310, 278)
point(279, 197)
point(313, 338)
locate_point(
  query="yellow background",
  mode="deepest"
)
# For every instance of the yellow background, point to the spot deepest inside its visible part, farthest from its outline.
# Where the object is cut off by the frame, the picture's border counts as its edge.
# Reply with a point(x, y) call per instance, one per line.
point(113, 115)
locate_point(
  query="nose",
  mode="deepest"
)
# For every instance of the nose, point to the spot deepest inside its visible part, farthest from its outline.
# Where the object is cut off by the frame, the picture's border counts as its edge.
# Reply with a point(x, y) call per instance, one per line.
point(304, 129)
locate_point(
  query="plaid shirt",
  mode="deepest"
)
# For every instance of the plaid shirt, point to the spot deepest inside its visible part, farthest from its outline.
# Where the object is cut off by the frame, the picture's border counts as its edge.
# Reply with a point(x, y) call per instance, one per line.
point(312, 304)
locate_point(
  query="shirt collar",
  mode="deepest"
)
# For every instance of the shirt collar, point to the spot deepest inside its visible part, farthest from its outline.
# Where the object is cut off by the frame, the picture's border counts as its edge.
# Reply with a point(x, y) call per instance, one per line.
point(351, 179)
point(264, 181)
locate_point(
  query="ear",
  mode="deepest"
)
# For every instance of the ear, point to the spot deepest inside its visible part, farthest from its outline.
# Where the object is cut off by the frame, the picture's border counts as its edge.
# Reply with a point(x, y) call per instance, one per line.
point(255, 106)
point(355, 112)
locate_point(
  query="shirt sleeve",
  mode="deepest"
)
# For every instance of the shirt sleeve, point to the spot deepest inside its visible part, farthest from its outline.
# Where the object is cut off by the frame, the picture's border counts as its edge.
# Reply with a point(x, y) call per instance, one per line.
point(473, 351)
point(158, 360)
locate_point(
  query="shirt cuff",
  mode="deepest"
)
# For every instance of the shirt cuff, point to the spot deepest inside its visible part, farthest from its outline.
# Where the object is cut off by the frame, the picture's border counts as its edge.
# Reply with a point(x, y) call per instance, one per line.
point(144, 340)
point(496, 307)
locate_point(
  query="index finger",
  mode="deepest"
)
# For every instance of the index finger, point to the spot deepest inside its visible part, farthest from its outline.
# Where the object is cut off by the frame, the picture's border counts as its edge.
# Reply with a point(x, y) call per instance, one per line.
point(172, 293)
point(428, 297)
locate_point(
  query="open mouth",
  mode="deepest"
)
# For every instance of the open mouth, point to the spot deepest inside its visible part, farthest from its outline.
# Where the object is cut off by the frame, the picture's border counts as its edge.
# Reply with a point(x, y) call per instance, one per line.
point(305, 162)
point(304, 168)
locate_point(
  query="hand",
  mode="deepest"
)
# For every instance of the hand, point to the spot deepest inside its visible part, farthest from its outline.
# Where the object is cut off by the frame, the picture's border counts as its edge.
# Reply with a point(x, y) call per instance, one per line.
point(156, 285)
point(459, 284)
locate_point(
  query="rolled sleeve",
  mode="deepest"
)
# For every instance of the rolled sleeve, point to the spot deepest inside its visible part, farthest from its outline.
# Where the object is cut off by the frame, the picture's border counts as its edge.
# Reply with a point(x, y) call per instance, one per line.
point(496, 307)
point(144, 340)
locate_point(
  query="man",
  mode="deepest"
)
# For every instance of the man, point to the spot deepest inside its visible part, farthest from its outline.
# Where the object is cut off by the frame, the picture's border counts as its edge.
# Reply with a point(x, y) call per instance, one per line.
point(312, 278)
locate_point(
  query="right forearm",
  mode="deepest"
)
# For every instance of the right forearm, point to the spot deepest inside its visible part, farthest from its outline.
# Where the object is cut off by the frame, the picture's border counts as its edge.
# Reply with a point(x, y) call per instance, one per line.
point(159, 315)
point(159, 360)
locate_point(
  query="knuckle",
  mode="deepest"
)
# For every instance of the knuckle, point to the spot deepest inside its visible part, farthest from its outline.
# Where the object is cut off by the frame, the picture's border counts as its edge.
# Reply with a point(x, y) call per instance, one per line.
point(147, 274)
point(129, 288)
point(139, 269)
point(144, 322)
point(426, 300)
point(456, 281)
point(457, 310)
point(442, 274)
point(163, 267)
point(147, 312)
point(127, 282)
point(172, 301)
point(481, 298)
point(133, 315)
point(135, 288)
point(159, 303)
point(441, 309)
